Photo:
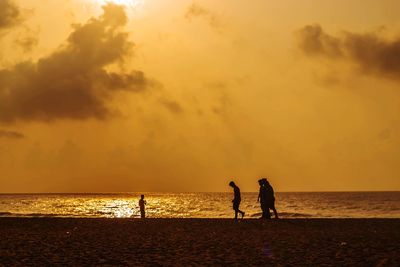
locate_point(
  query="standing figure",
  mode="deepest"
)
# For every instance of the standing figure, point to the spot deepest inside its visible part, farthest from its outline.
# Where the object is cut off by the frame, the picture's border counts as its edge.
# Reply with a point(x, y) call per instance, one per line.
point(270, 197)
point(142, 204)
point(262, 198)
point(236, 200)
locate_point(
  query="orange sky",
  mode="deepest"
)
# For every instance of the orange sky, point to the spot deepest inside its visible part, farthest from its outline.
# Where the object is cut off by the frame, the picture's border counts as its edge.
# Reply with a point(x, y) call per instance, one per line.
point(168, 95)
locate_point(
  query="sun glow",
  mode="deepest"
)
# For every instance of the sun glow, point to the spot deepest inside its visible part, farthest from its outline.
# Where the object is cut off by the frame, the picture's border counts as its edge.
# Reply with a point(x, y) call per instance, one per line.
point(128, 3)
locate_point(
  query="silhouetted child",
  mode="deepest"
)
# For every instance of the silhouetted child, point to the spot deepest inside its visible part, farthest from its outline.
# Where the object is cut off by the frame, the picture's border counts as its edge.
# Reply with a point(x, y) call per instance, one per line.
point(142, 204)
point(236, 200)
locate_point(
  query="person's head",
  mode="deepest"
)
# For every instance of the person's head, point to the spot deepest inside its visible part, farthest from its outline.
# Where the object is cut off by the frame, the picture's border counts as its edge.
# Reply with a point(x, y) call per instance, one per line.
point(232, 184)
point(265, 181)
point(260, 182)
point(142, 196)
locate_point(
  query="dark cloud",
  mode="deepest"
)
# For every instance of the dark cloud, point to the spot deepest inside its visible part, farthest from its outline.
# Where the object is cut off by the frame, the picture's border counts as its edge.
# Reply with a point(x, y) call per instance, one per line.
point(197, 11)
point(314, 41)
point(11, 134)
point(371, 52)
point(10, 14)
point(74, 82)
point(172, 106)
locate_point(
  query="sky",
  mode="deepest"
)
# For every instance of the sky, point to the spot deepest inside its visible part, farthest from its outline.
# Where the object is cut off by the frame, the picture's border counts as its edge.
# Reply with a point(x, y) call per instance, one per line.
point(186, 95)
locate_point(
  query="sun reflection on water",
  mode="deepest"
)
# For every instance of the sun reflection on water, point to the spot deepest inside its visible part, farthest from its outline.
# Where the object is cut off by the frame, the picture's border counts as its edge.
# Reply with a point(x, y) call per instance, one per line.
point(118, 209)
point(200, 205)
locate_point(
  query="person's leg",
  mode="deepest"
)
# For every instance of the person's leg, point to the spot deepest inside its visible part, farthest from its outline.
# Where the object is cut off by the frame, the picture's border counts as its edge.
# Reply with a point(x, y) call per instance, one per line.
point(275, 212)
point(236, 208)
point(267, 213)
point(241, 212)
point(264, 211)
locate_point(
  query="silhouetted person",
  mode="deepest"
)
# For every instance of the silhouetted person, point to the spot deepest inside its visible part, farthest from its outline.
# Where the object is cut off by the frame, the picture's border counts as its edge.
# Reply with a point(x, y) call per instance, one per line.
point(142, 204)
point(262, 198)
point(236, 200)
point(270, 197)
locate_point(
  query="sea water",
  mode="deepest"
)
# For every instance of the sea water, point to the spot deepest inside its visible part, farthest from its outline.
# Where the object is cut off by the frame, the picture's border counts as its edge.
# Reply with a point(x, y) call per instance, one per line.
point(201, 205)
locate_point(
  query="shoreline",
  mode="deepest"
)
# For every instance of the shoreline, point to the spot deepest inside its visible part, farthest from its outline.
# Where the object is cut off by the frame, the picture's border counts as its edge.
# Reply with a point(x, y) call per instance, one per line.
point(188, 242)
point(246, 218)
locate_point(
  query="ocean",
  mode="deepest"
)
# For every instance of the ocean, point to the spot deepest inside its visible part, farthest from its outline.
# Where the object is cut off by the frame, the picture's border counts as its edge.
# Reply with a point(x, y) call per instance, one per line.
point(201, 205)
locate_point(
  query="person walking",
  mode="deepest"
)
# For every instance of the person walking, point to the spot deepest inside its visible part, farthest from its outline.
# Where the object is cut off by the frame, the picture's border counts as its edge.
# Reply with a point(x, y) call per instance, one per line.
point(142, 205)
point(262, 198)
point(236, 199)
point(270, 199)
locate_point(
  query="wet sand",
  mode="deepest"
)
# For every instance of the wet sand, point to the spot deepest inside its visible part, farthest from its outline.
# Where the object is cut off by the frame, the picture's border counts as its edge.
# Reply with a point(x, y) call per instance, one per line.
point(194, 242)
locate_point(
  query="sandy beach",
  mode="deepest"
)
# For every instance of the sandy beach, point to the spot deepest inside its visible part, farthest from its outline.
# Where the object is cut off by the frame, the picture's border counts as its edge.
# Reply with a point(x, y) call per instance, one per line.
point(189, 242)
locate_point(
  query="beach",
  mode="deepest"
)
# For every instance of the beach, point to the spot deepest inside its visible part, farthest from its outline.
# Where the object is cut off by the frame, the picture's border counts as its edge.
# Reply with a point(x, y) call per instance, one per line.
point(191, 242)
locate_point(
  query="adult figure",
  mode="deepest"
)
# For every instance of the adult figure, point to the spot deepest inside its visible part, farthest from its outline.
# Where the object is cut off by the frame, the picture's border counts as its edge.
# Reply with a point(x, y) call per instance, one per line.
point(270, 197)
point(236, 199)
point(262, 198)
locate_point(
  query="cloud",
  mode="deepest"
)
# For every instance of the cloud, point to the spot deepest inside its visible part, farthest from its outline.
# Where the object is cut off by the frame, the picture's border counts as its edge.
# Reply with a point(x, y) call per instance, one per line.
point(11, 134)
point(172, 106)
point(74, 82)
point(10, 14)
point(370, 52)
point(197, 11)
point(27, 41)
point(314, 41)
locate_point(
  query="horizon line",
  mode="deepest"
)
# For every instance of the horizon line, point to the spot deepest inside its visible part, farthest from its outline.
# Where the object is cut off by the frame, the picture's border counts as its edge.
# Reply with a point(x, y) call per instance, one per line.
point(187, 192)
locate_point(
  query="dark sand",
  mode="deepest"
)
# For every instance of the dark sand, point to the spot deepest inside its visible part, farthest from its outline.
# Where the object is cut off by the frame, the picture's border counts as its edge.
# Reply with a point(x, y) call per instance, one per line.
point(188, 242)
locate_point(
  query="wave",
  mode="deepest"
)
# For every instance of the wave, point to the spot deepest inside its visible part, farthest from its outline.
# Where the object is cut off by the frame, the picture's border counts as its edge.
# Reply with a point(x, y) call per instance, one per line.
point(34, 215)
point(294, 215)
point(286, 215)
